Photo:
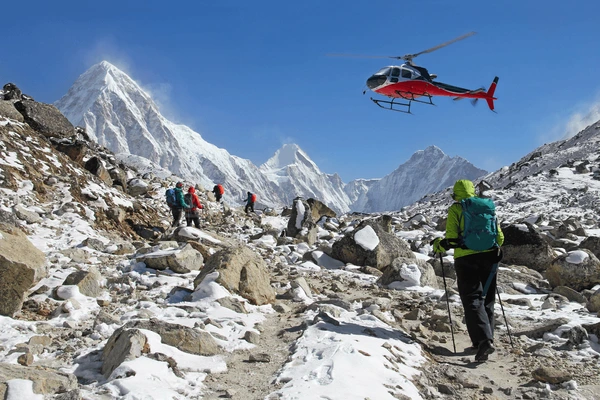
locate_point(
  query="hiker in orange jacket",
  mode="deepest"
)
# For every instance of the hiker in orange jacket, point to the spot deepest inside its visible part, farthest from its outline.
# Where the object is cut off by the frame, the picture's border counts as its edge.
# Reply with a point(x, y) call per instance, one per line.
point(193, 212)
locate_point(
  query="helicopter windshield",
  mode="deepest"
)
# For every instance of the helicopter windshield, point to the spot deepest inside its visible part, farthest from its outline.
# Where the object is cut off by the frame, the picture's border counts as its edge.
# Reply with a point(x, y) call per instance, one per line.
point(383, 71)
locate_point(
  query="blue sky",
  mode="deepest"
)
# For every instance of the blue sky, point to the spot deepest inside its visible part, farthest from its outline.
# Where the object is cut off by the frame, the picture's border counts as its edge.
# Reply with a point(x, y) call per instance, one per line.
point(251, 76)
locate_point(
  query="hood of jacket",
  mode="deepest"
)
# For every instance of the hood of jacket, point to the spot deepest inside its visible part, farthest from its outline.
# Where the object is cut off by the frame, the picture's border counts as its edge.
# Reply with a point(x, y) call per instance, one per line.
point(463, 189)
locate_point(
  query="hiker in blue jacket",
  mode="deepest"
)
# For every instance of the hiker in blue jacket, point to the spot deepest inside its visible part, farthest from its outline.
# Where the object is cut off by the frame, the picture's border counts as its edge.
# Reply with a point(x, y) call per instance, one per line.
point(179, 205)
point(474, 271)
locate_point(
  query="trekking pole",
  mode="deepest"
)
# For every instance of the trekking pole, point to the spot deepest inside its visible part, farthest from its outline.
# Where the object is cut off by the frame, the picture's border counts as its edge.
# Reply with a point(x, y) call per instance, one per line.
point(448, 303)
point(505, 320)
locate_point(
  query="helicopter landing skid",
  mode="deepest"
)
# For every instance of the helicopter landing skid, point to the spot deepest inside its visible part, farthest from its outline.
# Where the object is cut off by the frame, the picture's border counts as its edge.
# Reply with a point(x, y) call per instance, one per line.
point(389, 105)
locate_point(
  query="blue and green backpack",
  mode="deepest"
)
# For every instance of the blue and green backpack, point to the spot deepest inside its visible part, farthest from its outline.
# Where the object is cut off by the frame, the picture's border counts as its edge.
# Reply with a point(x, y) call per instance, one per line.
point(480, 224)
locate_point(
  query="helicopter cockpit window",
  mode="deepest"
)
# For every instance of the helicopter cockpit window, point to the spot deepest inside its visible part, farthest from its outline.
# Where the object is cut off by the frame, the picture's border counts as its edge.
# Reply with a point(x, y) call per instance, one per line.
point(395, 71)
point(384, 71)
point(406, 73)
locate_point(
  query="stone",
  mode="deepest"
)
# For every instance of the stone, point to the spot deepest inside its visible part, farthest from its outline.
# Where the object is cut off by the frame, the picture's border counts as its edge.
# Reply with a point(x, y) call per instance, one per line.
point(123, 345)
point(577, 270)
point(76, 150)
point(537, 331)
point(252, 337)
point(45, 118)
point(177, 260)
point(389, 248)
point(184, 338)
point(25, 359)
point(233, 304)
point(137, 187)
point(405, 270)
point(45, 380)
point(23, 214)
point(593, 304)
point(88, 281)
point(570, 294)
point(96, 167)
point(301, 224)
point(22, 265)
point(261, 357)
point(242, 271)
point(550, 375)
point(8, 110)
point(526, 247)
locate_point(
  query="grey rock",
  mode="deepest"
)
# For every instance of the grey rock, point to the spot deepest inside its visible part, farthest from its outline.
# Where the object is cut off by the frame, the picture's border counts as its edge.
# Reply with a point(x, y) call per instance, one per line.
point(88, 281)
point(578, 276)
point(181, 261)
point(123, 345)
point(8, 110)
point(45, 380)
point(393, 273)
point(45, 118)
point(21, 266)
point(233, 304)
point(242, 271)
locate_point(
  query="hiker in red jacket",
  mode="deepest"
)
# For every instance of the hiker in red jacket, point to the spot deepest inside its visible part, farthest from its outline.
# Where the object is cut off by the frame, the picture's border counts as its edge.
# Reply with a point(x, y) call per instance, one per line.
point(218, 191)
point(193, 212)
point(250, 202)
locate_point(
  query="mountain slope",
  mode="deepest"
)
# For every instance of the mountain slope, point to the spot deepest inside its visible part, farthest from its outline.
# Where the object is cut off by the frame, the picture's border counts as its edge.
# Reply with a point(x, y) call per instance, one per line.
point(297, 175)
point(427, 171)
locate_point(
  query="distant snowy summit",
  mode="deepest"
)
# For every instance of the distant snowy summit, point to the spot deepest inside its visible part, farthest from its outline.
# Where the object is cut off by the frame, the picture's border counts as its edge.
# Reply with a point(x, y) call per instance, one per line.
point(118, 114)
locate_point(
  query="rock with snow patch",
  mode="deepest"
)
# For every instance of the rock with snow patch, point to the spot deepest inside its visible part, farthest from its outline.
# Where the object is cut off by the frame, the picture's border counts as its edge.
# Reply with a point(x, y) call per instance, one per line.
point(184, 338)
point(552, 375)
point(570, 294)
point(76, 150)
point(242, 271)
point(318, 210)
point(137, 187)
point(31, 217)
point(411, 271)
point(96, 167)
point(119, 177)
point(123, 345)
point(45, 118)
point(45, 380)
point(373, 246)
point(88, 281)
point(21, 266)
point(181, 261)
point(523, 245)
point(578, 270)
point(301, 222)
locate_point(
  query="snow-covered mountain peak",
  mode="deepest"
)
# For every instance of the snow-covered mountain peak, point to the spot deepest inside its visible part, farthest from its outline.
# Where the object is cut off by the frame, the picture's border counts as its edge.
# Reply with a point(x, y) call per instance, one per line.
point(287, 155)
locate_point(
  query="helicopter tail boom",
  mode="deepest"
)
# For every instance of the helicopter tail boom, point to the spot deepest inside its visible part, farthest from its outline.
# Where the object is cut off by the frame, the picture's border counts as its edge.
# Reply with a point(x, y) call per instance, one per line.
point(490, 94)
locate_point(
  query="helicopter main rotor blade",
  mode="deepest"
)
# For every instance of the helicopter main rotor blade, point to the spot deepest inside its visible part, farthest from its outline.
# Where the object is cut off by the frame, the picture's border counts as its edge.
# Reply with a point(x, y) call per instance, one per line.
point(357, 56)
point(409, 57)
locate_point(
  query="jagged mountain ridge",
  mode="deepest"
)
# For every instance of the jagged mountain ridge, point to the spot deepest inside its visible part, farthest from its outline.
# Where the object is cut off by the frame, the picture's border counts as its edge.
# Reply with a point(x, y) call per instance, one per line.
point(427, 171)
point(119, 115)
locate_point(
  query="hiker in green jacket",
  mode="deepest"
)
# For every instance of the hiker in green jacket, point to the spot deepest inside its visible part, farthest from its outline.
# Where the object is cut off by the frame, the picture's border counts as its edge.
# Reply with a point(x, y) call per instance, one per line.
point(179, 205)
point(475, 270)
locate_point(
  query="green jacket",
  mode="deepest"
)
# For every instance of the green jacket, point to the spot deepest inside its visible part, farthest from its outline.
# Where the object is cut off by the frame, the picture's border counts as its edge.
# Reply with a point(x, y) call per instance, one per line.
point(180, 198)
point(463, 189)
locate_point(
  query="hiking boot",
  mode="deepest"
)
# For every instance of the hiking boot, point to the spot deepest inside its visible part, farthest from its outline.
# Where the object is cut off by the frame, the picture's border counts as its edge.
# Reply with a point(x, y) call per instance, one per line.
point(485, 349)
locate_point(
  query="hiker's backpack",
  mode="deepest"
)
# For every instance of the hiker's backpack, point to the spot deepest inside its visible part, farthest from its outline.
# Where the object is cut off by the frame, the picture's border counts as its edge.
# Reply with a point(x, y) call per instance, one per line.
point(188, 199)
point(220, 189)
point(480, 224)
point(171, 197)
point(253, 198)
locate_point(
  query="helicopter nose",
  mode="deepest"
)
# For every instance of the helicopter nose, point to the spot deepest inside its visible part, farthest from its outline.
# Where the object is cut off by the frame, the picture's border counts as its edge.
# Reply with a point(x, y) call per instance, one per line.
point(375, 81)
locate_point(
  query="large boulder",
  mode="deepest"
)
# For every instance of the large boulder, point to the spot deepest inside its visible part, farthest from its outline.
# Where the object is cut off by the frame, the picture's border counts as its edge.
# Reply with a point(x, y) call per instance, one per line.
point(95, 166)
point(12, 92)
point(241, 271)
point(184, 338)
point(369, 244)
point(137, 187)
point(76, 150)
point(123, 345)
point(409, 272)
point(578, 270)
point(45, 118)
point(88, 281)
point(21, 266)
point(8, 110)
point(181, 261)
point(319, 210)
point(524, 245)
point(45, 380)
point(591, 243)
point(301, 223)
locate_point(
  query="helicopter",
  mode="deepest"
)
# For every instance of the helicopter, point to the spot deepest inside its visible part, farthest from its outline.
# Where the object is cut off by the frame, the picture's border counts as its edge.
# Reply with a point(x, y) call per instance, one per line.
point(408, 83)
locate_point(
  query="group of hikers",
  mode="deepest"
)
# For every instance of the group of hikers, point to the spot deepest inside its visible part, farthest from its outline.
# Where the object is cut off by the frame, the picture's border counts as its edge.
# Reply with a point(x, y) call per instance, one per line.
point(472, 230)
point(189, 203)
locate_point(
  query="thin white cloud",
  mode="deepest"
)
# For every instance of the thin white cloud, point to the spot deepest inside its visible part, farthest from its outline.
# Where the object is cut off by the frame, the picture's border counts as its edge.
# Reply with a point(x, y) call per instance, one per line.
point(578, 118)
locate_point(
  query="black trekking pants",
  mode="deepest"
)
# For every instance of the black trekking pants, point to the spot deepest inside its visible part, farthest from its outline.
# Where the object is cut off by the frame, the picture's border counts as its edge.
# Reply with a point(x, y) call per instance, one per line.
point(249, 206)
point(472, 273)
point(195, 219)
point(176, 215)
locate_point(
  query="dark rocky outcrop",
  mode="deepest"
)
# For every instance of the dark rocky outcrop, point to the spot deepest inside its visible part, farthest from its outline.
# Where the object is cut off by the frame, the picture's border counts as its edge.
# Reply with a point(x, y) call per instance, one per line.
point(45, 118)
